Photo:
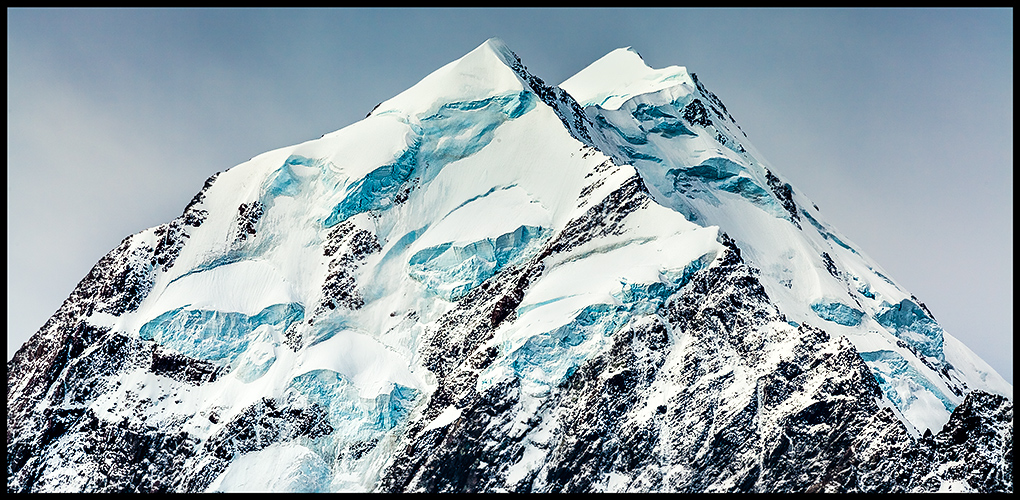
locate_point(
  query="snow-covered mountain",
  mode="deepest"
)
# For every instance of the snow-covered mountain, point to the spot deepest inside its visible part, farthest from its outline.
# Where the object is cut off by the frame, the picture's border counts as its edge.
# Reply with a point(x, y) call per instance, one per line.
point(494, 284)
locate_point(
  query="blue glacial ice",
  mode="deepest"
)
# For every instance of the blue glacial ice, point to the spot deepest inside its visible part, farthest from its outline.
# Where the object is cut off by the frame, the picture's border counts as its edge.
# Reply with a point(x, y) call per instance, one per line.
point(818, 225)
point(747, 188)
point(646, 112)
point(403, 242)
point(216, 335)
point(712, 169)
point(663, 123)
point(895, 376)
point(288, 179)
point(325, 327)
point(670, 128)
point(353, 417)
point(643, 295)
point(549, 358)
point(645, 298)
point(838, 312)
point(863, 287)
point(634, 154)
point(230, 257)
point(909, 322)
point(455, 131)
point(284, 182)
point(726, 175)
point(377, 189)
point(865, 290)
point(303, 161)
point(718, 172)
point(636, 138)
point(451, 271)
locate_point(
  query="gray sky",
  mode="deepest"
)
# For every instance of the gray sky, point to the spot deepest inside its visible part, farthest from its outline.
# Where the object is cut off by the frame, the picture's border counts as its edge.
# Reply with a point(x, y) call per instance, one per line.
point(898, 123)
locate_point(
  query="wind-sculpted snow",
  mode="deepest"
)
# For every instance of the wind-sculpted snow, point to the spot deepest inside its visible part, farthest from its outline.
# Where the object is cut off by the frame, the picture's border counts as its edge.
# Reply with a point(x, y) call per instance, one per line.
point(633, 137)
point(288, 467)
point(285, 182)
point(460, 129)
point(628, 132)
point(259, 354)
point(493, 284)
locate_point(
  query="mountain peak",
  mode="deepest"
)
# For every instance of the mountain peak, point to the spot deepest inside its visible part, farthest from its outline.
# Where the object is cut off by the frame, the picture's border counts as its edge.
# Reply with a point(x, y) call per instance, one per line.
point(483, 72)
point(498, 48)
point(620, 75)
point(484, 286)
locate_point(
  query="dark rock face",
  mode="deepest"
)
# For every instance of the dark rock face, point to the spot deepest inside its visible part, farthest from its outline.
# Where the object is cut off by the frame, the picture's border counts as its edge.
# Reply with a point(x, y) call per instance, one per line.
point(694, 112)
point(784, 192)
point(109, 457)
point(131, 457)
point(814, 423)
point(69, 362)
point(127, 456)
point(348, 246)
point(565, 107)
point(715, 103)
point(603, 218)
point(742, 414)
point(474, 452)
point(248, 215)
point(976, 446)
point(54, 355)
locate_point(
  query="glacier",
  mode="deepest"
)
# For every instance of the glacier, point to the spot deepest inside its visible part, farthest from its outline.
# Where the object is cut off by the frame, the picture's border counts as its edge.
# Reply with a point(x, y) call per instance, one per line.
point(215, 335)
point(495, 284)
point(452, 271)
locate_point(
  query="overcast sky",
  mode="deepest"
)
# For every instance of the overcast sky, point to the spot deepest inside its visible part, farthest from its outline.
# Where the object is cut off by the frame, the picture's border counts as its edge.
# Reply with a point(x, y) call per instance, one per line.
point(897, 123)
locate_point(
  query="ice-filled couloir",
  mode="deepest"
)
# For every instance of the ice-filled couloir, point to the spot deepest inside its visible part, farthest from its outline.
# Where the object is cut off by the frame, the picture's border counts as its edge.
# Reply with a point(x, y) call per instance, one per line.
point(494, 284)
